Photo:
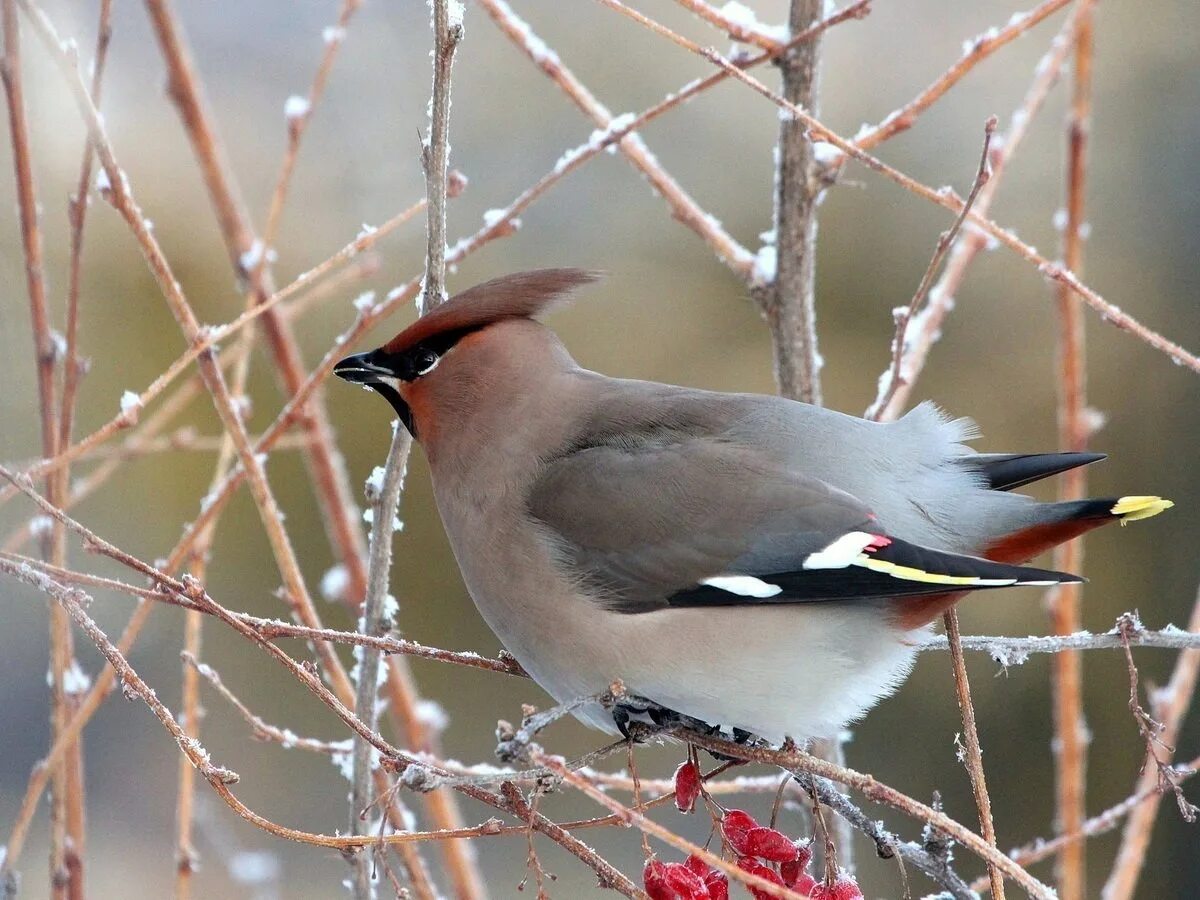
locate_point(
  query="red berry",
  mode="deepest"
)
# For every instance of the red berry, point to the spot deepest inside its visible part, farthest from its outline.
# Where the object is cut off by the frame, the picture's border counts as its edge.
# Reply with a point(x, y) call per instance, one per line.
point(754, 867)
point(687, 786)
point(735, 825)
point(845, 888)
point(697, 865)
point(771, 845)
point(805, 884)
point(792, 869)
point(654, 880)
point(717, 883)
point(684, 882)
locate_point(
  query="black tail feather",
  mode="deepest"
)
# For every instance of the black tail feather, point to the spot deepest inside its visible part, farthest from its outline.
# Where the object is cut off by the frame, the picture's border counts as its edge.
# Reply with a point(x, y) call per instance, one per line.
point(1006, 471)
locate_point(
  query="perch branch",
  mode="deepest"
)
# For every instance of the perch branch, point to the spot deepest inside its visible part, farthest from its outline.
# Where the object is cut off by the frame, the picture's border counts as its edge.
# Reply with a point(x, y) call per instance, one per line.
point(974, 755)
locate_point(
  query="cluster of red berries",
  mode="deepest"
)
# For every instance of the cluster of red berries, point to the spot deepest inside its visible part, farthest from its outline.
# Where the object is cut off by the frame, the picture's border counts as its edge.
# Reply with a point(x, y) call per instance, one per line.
point(693, 879)
point(761, 851)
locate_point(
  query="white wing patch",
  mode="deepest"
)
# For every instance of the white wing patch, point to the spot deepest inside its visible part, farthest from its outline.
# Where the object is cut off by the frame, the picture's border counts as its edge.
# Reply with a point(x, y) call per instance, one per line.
point(743, 585)
point(845, 551)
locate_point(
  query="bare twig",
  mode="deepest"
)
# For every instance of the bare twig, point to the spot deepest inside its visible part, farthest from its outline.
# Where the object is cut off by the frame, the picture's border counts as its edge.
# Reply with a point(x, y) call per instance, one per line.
point(739, 31)
point(435, 152)
point(974, 53)
point(974, 755)
point(921, 337)
point(261, 728)
point(683, 205)
point(66, 811)
point(1013, 651)
point(1038, 849)
point(1064, 601)
point(377, 619)
point(793, 760)
point(944, 198)
point(1173, 703)
point(895, 377)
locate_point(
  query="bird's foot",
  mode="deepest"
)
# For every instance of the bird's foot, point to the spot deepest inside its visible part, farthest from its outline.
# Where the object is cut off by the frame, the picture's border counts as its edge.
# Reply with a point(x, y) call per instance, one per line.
point(638, 719)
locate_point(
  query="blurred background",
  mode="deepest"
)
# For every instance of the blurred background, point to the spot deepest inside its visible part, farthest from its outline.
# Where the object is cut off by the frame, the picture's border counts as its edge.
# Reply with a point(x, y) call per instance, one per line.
point(667, 311)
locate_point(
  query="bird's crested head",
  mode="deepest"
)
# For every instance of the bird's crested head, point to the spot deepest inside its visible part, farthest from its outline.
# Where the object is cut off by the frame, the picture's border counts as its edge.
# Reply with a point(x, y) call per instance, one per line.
point(398, 370)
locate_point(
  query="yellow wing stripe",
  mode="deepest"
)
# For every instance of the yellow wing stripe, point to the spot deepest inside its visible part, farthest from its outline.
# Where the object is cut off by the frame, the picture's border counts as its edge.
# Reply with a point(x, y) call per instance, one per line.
point(908, 573)
point(1130, 509)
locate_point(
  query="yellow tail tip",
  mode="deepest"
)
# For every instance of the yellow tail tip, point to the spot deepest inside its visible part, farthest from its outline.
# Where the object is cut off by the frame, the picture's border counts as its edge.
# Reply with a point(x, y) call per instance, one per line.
point(1130, 509)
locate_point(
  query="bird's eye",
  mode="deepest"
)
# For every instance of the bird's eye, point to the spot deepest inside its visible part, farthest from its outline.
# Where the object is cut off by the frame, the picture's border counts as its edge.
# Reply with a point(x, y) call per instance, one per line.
point(424, 361)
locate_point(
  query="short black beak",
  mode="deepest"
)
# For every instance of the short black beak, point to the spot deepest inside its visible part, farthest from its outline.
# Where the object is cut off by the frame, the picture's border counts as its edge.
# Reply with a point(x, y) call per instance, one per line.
point(362, 368)
point(367, 369)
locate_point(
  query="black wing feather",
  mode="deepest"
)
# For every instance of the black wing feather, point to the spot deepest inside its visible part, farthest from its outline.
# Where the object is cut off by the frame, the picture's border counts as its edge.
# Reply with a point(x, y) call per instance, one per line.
point(856, 582)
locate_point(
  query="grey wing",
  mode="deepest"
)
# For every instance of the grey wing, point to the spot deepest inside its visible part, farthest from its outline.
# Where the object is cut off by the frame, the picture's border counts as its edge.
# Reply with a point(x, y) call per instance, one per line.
point(704, 521)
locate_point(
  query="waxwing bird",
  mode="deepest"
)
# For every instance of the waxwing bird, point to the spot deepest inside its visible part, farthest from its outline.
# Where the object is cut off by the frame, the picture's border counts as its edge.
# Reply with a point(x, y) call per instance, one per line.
point(747, 561)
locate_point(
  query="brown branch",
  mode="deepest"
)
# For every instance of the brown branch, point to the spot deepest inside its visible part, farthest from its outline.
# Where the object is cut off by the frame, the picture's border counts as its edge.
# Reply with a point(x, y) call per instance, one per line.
point(877, 792)
point(683, 206)
point(272, 629)
point(262, 729)
point(944, 198)
point(895, 377)
point(435, 151)
point(920, 340)
point(739, 31)
point(218, 778)
point(976, 51)
point(1064, 601)
point(1174, 701)
point(297, 125)
point(66, 810)
point(788, 301)
point(1040, 848)
point(214, 335)
point(974, 754)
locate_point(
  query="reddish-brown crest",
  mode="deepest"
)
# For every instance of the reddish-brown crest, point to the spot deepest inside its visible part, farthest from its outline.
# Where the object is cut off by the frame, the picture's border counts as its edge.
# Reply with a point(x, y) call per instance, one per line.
point(521, 295)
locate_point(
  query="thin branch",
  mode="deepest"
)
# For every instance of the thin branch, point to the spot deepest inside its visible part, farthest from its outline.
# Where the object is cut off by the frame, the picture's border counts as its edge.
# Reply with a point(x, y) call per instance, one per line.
point(683, 206)
point(262, 729)
point(272, 629)
point(1040, 848)
point(921, 337)
point(740, 31)
point(876, 791)
point(220, 778)
point(435, 152)
point(944, 198)
point(1013, 651)
point(895, 377)
point(376, 619)
point(974, 756)
point(933, 864)
point(66, 810)
point(975, 52)
point(1071, 733)
point(1172, 703)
